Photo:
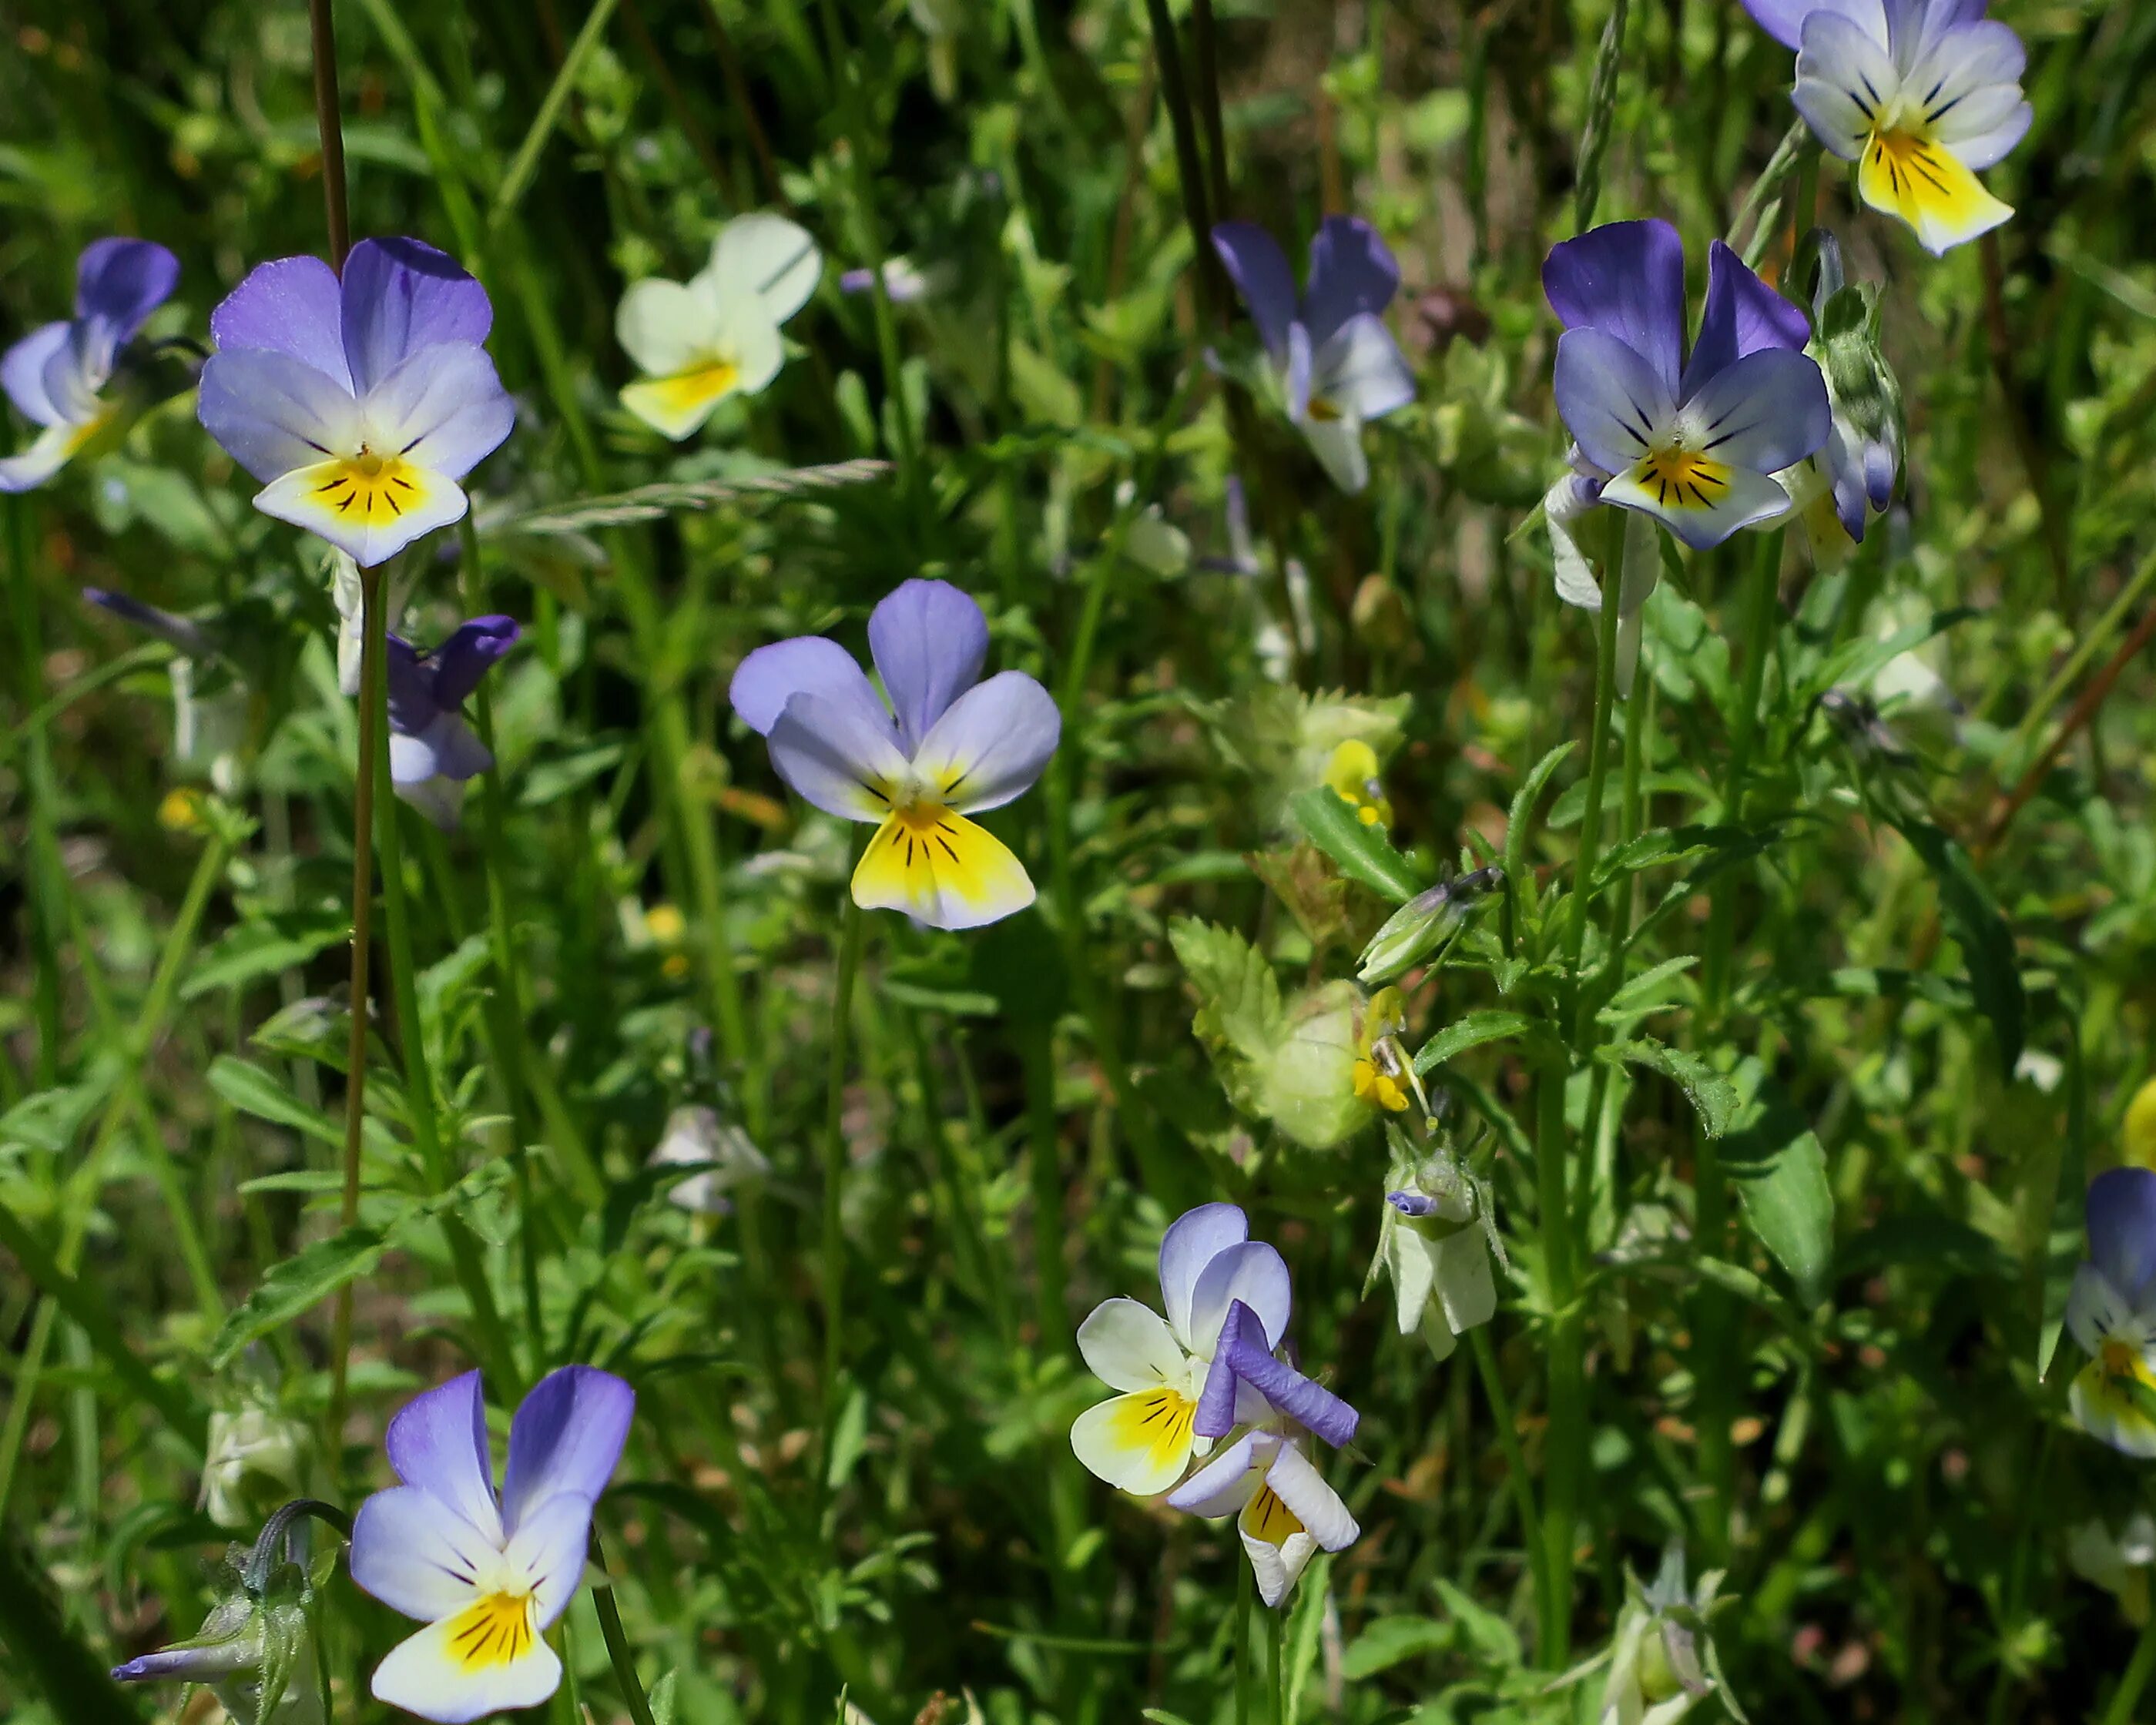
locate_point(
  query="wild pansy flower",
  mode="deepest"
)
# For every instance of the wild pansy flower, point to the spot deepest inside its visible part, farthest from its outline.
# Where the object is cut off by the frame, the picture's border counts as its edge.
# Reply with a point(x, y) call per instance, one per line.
point(715, 334)
point(1336, 362)
point(1192, 1376)
point(56, 375)
point(2111, 1311)
point(431, 750)
point(359, 403)
point(937, 746)
point(1690, 441)
point(1285, 1512)
point(1856, 470)
point(1922, 94)
point(488, 1573)
point(697, 1136)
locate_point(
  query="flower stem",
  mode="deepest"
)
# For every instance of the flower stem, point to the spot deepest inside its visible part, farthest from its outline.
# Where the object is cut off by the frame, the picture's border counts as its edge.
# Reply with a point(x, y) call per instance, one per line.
point(323, 29)
point(2138, 1670)
point(1516, 1461)
point(617, 1642)
point(373, 627)
point(1038, 1051)
point(1243, 1588)
point(1275, 1670)
point(835, 1162)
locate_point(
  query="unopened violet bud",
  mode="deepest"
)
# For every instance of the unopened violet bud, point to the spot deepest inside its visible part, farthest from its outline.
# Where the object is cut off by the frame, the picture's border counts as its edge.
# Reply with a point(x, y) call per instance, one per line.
point(183, 633)
point(254, 1650)
point(1412, 1204)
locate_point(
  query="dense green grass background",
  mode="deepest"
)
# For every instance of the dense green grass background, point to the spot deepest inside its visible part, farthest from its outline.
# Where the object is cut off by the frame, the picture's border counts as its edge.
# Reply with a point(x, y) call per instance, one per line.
point(1875, 1462)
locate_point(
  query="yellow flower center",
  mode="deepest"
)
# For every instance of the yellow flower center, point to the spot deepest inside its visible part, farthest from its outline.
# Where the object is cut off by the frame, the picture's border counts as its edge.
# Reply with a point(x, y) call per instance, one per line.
point(1270, 1520)
point(1685, 479)
point(368, 487)
point(1159, 1421)
point(2121, 1359)
point(497, 1631)
point(1373, 1085)
point(1913, 165)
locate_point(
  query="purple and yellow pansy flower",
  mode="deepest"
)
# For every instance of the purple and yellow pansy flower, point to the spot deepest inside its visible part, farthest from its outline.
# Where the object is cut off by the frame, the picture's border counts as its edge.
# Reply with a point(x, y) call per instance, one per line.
point(2112, 1313)
point(359, 401)
point(937, 746)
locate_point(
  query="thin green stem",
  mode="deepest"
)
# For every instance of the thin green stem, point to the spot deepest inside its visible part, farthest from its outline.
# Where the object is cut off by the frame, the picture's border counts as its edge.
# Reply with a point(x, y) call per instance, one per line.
point(617, 1642)
point(1190, 173)
point(1245, 1589)
point(1516, 1462)
point(1276, 1667)
point(1610, 621)
point(517, 180)
point(2017, 753)
point(2138, 1670)
point(373, 630)
point(1038, 1049)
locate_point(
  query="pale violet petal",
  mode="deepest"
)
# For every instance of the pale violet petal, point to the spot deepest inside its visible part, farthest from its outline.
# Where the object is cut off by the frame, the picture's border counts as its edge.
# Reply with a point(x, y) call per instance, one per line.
point(992, 743)
point(43, 457)
point(1766, 411)
point(437, 1441)
point(415, 1558)
point(1610, 398)
point(1253, 1272)
point(23, 373)
point(443, 409)
point(1192, 1240)
point(401, 296)
point(1360, 372)
point(2095, 1309)
point(294, 306)
point(807, 664)
point(1846, 81)
point(274, 414)
point(1231, 1474)
point(835, 757)
point(567, 1438)
point(547, 1552)
point(928, 639)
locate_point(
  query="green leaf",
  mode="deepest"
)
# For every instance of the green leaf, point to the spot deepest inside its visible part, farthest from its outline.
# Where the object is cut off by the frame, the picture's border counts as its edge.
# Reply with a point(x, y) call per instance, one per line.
point(1238, 998)
point(1363, 853)
point(648, 503)
point(1859, 659)
point(1660, 846)
point(1775, 1162)
point(252, 1091)
point(1387, 1641)
point(1713, 1097)
point(1490, 1024)
point(1973, 917)
point(1519, 878)
point(266, 946)
point(303, 1282)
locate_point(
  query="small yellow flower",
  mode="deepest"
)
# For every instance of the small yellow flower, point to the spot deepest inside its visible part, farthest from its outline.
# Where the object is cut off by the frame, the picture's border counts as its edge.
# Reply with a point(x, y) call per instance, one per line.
point(1353, 775)
point(182, 810)
point(2137, 1137)
point(1374, 1085)
point(666, 929)
point(1381, 1073)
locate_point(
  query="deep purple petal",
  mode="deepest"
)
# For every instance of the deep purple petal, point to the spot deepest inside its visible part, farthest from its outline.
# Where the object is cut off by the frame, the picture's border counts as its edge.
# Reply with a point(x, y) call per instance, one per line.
point(23, 373)
point(293, 306)
point(1352, 272)
point(1743, 315)
point(120, 282)
point(1626, 278)
point(1258, 267)
point(1243, 1355)
point(188, 637)
point(437, 1443)
point(807, 664)
point(2122, 1229)
point(567, 1438)
point(1412, 1202)
point(928, 640)
point(465, 656)
point(401, 295)
point(410, 679)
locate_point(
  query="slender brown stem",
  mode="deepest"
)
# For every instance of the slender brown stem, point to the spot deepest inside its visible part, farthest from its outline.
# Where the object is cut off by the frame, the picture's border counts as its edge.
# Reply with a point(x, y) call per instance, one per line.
point(331, 127)
point(685, 116)
point(2076, 719)
point(738, 94)
point(1206, 56)
point(1189, 170)
point(374, 625)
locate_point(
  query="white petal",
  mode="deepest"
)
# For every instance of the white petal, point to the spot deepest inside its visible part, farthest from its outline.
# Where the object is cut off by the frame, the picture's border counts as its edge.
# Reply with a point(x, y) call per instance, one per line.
point(1466, 1288)
point(1298, 1484)
point(1337, 445)
point(547, 1553)
point(836, 758)
point(2095, 1309)
point(663, 325)
point(1129, 1346)
point(373, 529)
point(1229, 1480)
point(767, 258)
point(1748, 499)
point(1846, 81)
point(426, 1674)
point(1139, 1443)
point(1360, 371)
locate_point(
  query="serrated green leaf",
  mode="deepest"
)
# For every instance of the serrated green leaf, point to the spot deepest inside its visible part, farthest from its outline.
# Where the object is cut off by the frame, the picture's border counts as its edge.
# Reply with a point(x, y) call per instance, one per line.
point(1491, 1024)
point(1774, 1161)
point(1363, 853)
point(1239, 997)
point(264, 947)
point(1387, 1641)
point(253, 1091)
point(1713, 1097)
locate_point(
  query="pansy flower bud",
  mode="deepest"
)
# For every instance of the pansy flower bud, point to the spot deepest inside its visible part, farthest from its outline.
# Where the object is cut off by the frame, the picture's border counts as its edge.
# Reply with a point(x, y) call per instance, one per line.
point(254, 1652)
point(1661, 1659)
point(1425, 922)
